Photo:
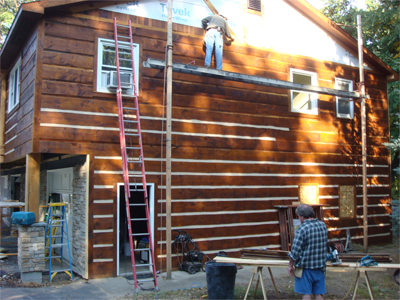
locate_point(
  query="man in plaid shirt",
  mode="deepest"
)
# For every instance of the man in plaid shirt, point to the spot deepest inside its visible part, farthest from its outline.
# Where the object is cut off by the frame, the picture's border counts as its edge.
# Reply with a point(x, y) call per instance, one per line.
point(307, 258)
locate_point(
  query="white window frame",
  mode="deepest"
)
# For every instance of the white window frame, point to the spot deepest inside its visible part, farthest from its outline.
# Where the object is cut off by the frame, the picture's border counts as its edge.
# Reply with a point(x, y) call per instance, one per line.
point(313, 96)
point(100, 87)
point(349, 115)
point(14, 80)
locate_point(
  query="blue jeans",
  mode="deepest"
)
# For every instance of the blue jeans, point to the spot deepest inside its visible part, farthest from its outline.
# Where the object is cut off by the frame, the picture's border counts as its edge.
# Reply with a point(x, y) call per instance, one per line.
point(214, 38)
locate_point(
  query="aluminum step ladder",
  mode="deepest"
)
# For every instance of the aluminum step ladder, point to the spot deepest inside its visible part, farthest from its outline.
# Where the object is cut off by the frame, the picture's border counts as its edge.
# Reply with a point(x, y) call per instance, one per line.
point(55, 239)
point(132, 158)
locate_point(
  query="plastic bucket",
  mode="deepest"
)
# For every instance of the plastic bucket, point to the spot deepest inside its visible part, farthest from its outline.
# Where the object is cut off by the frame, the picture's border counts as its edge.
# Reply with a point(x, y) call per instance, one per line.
point(220, 280)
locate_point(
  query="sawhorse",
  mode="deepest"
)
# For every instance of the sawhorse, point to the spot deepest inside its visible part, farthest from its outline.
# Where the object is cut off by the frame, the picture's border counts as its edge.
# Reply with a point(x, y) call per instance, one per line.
point(366, 281)
point(258, 271)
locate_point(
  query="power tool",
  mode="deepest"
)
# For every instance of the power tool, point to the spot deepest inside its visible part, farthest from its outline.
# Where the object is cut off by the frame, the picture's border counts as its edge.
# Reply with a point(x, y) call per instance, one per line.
point(333, 255)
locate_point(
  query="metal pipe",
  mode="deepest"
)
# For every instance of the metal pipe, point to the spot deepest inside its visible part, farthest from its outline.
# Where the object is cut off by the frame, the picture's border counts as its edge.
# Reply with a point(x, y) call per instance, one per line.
point(168, 143)
point(363, 133)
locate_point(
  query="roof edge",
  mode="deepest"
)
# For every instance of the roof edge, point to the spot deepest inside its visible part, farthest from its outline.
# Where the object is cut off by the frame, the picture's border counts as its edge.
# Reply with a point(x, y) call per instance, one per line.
point(341, 35)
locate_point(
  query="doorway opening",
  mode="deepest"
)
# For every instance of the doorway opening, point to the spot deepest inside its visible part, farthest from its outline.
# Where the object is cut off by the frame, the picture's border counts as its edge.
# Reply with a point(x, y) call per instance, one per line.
point(139, 229)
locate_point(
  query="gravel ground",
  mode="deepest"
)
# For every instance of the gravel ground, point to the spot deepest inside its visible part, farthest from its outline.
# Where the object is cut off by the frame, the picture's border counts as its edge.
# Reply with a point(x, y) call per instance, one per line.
point(338, 284)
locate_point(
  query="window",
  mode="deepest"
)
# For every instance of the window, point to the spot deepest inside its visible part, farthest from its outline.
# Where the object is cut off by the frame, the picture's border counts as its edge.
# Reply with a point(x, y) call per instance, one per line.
point(106, 67)
point(13, 85)
point(254, 5)
point(344, 106)
point(309, 193)
point(347, 203)
point(303, 102)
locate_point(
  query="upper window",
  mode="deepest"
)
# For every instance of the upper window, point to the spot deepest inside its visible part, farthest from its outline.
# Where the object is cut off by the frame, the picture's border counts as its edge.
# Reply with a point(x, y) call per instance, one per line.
point(13, 85)
point(107, 71)
point(344, 106)
point(303, 102)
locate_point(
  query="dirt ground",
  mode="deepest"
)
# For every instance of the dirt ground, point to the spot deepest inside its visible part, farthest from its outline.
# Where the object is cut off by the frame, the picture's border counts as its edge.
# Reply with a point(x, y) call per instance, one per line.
point(338, 283)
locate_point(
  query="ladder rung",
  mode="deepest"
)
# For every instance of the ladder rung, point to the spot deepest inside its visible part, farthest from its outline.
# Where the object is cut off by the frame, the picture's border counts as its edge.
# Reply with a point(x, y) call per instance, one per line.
point(137, 204)
point(139, 219)
point(141, 249)
point(53, 236)
point(137, 176)
point(145, 272)
point(130, 121)
point(123, 36)
point(129, 108)
point(135, 161)
point(146, 279)
point(133, 148)
point(132, 134)
point(123, 26)
point(136, 190)
point(56, 245)
point(144, 265)
point(53, 256)
point(139, 234)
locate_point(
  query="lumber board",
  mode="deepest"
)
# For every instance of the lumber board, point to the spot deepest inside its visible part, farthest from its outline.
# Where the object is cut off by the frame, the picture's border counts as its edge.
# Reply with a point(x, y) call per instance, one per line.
point(284, 263)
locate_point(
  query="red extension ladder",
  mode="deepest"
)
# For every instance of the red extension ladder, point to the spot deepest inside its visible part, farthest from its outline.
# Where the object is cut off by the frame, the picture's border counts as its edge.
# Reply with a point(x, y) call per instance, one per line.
point(132, 159)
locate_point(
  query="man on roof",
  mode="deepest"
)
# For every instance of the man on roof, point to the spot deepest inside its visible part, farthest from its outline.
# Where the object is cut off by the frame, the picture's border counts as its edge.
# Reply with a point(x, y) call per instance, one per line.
point(216, 32)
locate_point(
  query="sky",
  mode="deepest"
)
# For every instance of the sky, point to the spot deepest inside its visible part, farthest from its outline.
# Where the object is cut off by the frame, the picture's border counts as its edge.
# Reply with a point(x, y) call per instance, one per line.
point(320, 3)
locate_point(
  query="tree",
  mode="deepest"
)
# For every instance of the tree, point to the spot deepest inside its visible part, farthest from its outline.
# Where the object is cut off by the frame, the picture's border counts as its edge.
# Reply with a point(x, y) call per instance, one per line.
point(381, 27)
point(8, 10)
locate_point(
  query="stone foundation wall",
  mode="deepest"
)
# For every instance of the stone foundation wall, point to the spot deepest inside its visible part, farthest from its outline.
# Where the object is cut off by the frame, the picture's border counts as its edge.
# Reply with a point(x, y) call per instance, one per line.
point(31, 248)
point(80, 219)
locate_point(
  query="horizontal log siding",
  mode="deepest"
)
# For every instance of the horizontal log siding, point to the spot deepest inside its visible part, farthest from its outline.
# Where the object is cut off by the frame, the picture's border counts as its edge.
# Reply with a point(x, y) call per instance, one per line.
point(18, 126)
point(237, 150)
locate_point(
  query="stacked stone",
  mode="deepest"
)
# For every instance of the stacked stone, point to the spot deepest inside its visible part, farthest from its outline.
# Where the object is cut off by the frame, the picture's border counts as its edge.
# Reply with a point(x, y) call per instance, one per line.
point(31, 248)
point(80, 219)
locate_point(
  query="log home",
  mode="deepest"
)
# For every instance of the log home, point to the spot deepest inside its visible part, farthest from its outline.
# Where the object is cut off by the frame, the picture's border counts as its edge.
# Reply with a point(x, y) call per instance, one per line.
point(238, 149)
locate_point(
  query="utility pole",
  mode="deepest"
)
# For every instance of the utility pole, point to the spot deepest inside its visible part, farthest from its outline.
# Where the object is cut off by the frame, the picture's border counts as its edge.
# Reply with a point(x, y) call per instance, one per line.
point(168, 143)
point(363, 133)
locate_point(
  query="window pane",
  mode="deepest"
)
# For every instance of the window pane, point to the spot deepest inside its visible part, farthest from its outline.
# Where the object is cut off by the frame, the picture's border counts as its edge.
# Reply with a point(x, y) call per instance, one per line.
point(342, 85)
point(343, 106)
point(302, 78)
point(301, 101)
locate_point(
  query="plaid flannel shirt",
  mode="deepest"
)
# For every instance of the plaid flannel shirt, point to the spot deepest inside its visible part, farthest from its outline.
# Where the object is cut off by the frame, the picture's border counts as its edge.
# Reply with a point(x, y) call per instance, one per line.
point(309, 245)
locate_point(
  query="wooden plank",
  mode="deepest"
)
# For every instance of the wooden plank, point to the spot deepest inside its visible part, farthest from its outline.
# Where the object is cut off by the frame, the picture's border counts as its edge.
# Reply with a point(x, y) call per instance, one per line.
point(69, 31)
point(32, 183)
point(67, 45)
point(3, 97)
point(78, 147)
point(64, 73)
point(67, 88)
point(68, 59)
point(19, 152)
point(101, 269)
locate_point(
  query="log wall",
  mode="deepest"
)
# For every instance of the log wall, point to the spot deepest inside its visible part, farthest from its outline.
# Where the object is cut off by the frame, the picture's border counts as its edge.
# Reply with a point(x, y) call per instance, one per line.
point(237, 149)
point(18, 135)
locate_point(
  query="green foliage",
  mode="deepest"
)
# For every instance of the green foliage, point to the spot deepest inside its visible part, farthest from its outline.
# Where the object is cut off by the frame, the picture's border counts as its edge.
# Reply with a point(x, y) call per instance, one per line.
point(381, 29)
point(8, 10)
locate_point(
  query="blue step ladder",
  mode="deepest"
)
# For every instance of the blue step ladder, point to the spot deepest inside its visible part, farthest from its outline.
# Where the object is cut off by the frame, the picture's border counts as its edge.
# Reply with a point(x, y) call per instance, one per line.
point(56, 228)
